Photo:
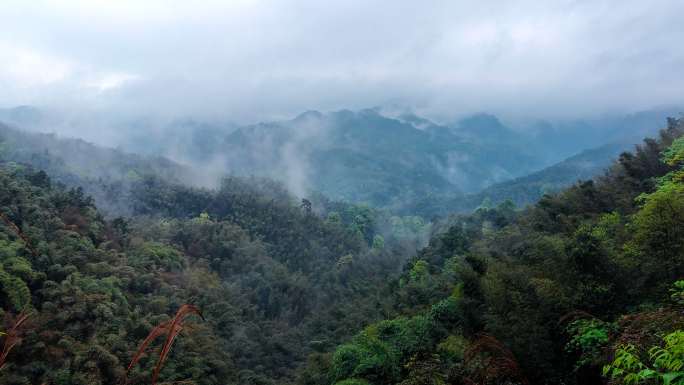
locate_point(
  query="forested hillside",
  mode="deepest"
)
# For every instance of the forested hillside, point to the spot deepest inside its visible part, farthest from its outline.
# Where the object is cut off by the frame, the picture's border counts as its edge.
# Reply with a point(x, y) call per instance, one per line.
point(108, 174)
point(525, 190)
point(103, 173)
point(582, 288)
point(530, 188)
point(274, 281)
point(405, 163)
point(356, 156)
point(397, 161)
point(118, 182)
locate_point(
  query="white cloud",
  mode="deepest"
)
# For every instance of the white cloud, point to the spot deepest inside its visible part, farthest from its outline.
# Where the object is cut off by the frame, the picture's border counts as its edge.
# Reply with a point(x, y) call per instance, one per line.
point(24, 67)
point(111, 81)
point(257, 59)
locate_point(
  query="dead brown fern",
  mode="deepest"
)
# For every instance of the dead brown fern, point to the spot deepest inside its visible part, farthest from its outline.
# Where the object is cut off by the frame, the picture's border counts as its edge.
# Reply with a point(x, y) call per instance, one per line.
point(12, 337)
point(489, 360)
point(169, 328)
point(159, 330)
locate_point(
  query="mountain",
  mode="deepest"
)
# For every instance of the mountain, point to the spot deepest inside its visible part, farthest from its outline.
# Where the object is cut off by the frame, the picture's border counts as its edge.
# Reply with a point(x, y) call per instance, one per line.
point(114, 179)
point(486, 128)
point(619, 135)
point(24, 116)
point(395, 162)
point(404, 163)
point(568, 137)
point(525, 190)
point(583, 287)
point(274, 281)
point(283, 289)
point(103, 173)
point(326, 292)
point(359, 156)
point(530, 188)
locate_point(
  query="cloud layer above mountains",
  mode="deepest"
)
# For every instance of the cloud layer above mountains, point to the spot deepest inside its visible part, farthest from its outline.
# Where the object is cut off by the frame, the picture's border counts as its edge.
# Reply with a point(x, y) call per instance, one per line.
point(249, 60)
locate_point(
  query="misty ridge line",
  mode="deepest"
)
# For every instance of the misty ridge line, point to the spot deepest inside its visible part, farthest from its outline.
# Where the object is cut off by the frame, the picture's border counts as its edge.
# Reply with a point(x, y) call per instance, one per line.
point(388, 159)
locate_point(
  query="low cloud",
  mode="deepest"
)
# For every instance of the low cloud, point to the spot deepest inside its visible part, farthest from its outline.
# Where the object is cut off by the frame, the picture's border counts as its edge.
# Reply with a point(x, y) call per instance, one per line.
point(261, 60)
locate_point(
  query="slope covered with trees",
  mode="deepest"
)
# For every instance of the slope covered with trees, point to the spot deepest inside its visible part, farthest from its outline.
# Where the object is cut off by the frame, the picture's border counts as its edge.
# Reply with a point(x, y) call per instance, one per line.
point(274, 281)
point(406, 163)
point(581, 288)
point(530, 188)
point(525, 190)
point(401, 162)
point(103, 173)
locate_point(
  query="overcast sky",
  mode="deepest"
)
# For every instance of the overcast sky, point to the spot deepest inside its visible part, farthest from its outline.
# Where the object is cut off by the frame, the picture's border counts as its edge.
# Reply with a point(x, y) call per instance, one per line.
point(251, 60)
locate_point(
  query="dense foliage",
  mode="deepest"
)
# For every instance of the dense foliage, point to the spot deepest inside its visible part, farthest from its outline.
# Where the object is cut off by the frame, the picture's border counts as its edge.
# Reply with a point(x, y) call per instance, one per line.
point(584, 287)
point(275, 282)
point(546, 295)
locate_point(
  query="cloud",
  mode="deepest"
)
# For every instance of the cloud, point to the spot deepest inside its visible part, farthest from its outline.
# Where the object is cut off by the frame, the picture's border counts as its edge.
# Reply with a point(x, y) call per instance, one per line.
point(258, 60)
point(25, 68)
point(111, 81)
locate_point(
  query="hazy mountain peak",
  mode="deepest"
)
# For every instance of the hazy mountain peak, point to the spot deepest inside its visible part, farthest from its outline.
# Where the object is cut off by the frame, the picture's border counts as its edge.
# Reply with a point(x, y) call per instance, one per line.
point(309, 115)
point(481, 121)
point(22, 115)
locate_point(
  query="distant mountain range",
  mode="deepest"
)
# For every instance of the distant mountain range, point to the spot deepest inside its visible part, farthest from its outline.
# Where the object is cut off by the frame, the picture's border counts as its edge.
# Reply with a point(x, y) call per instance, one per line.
point(527, 189)
point(103, 173)
point(406, 163)
point(392, 162)
point(583, 166)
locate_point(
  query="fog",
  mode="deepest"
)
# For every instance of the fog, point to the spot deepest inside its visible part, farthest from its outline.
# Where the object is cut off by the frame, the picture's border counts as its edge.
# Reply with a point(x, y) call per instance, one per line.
point(251, 60)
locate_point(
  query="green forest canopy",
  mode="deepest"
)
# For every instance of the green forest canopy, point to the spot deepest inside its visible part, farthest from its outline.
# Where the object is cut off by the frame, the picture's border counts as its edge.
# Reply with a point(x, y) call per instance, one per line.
point(583, 287)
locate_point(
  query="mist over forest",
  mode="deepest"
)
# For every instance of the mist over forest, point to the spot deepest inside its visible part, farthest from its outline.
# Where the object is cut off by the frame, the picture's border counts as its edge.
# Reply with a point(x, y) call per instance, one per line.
point(376, 156)
point(341, 193)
